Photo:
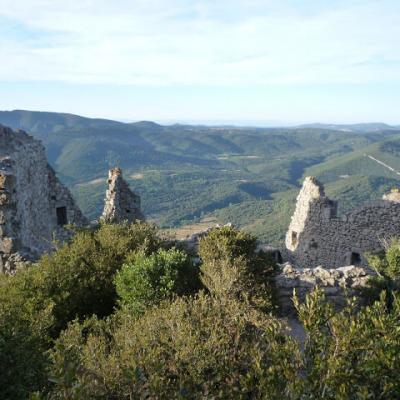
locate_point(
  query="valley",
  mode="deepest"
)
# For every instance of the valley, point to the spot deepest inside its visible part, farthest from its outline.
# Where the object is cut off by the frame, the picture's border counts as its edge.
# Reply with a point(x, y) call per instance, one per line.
point(190, 174)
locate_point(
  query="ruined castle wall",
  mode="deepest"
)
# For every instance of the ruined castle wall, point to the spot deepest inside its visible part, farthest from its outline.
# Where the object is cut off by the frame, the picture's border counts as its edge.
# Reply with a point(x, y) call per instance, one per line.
point(60, 199)
point(121, 204)
point(25, 210)
point(30, 195)
point(317, 237)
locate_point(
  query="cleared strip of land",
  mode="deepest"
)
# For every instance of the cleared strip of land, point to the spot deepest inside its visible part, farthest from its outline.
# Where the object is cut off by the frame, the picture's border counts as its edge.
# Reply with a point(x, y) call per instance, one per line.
point(383, 164)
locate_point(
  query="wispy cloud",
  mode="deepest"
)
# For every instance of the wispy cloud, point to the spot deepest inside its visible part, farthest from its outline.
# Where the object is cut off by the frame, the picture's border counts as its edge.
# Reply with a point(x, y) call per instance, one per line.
point(183, 42)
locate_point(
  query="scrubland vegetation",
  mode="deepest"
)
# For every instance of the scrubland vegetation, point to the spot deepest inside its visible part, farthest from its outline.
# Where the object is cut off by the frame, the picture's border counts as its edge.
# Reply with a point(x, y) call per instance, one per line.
point(118, 313)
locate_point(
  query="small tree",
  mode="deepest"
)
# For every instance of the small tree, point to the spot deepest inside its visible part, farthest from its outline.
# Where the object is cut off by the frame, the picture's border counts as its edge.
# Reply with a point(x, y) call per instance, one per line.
point(149, 279)
point(227, 242)
point(231, 246)
point(387, 267)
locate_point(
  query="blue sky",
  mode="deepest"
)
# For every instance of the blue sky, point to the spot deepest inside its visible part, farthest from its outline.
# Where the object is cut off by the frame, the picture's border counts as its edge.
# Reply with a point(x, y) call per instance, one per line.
point(241, 61)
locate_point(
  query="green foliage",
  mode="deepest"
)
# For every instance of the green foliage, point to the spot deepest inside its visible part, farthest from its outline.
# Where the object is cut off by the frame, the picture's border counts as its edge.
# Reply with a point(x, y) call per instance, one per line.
point(149, 279)
point(226, 279)
point(350, 354)
point(229, 246)
point(388, 263)
point(79, 276)
point(387, 267)
point(204, 347)
point(24, 324)
point(227, 242)
point(75, 281)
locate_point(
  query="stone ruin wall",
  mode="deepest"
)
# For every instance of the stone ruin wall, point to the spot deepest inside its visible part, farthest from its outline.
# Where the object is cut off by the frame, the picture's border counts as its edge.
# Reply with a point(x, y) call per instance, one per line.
point(31, 198)
point(316, 236)
point(324, 250)
point(34, 205)
point(120, 204)
point(337, 283)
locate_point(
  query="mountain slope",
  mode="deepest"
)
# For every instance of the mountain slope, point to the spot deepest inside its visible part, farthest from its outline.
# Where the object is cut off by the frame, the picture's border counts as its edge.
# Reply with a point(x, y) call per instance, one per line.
point(249, 176)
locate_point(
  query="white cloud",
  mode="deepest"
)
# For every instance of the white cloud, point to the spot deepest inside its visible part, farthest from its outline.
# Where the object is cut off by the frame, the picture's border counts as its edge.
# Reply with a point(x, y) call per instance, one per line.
point(237, 42)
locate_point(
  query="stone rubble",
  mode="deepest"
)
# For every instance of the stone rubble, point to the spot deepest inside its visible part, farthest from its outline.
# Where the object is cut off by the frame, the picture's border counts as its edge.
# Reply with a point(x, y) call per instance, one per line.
point(338, 283)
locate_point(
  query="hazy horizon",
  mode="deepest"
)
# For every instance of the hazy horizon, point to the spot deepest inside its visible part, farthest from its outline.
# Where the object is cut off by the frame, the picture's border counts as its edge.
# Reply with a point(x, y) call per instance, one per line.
point(213, 122)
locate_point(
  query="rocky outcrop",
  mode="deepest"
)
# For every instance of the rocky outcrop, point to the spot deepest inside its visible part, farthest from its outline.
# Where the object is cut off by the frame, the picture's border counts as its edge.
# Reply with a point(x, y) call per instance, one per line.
point(338, 283)
point(316, 236)
point(34, 205)
point(121, 204)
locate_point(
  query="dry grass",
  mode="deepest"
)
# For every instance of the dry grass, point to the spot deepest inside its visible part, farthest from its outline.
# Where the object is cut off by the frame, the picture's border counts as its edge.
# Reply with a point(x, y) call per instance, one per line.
point(185, 231)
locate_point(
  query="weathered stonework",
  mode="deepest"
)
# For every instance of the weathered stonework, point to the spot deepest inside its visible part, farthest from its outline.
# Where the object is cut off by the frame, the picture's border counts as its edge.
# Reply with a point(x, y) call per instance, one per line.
point(121, 204)
point(337, 283)
point(316, 236)
point(34, 205)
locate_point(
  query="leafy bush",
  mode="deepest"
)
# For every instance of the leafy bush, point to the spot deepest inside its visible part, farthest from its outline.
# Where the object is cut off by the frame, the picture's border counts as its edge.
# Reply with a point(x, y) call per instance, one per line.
point(387, 267)
point(220, 343)
point(228, 245)
point(24, 324)
point(204, 347)
point(75, 281)
point(349, 354)
point(227, 242)
point(79, 276)
point(149, 279)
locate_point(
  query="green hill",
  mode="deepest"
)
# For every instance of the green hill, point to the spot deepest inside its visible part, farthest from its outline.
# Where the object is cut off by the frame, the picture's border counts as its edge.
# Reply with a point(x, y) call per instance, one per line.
point(249, 176)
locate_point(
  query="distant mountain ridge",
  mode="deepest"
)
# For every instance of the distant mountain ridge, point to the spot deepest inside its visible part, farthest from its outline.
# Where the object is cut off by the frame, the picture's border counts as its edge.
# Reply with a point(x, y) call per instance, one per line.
point(361, 127)
point(27, 119)
point(248, 176)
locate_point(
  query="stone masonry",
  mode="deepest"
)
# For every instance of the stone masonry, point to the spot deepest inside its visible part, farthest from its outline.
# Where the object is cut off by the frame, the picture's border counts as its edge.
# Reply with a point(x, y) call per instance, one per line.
point(34, 205)
point(316, 236)
point(121, 204)
point(337, 283)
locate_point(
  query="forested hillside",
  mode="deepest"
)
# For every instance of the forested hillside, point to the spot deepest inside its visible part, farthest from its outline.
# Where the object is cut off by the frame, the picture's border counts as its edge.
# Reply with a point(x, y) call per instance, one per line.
point(248, 176)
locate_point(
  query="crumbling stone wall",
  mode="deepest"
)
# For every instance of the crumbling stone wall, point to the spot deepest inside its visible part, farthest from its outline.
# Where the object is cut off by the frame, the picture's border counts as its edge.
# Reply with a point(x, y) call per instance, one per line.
point(34, 205)
point(121, 204)
point(337, 283)
point(316, 236)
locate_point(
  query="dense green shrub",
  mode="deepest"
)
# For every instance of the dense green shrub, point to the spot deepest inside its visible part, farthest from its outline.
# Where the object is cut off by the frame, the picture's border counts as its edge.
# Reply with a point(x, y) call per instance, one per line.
point(149, 279)
point(79, 276)
point(230, 245)
point(227, 242)
point(24, 335)
point(75, 281)
point(209, 346)
point(350, 354)
point(221, 343)
point(387, 267)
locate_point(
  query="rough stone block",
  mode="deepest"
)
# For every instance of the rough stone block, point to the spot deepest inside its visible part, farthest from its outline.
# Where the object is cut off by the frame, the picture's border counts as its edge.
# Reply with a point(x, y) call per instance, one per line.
point(7, 245)
point(7, 181)
point(4, 199)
